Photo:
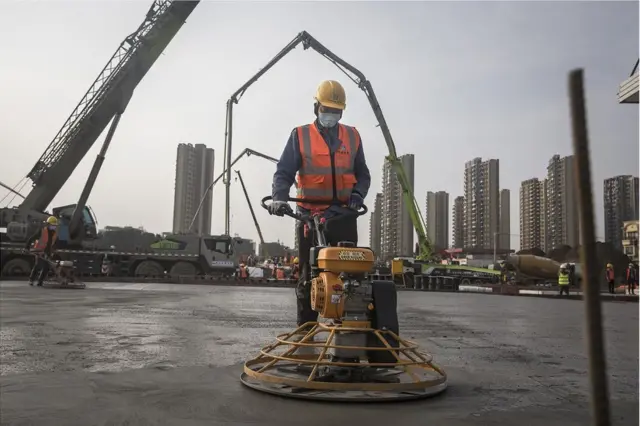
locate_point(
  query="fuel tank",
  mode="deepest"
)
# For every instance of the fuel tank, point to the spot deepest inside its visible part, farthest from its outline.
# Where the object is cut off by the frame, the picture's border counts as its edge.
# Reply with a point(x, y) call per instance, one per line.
point(534, 266)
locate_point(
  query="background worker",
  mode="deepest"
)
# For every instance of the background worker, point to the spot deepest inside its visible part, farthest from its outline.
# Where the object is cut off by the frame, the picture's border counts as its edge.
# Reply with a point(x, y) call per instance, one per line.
point(611, 278)
point(329, 160)
point(632, 278)
point(43, 243)
point(563, 279)
point(295, 269)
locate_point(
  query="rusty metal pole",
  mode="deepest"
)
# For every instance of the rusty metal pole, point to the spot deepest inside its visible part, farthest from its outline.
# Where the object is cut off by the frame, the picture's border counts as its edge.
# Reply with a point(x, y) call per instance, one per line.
point(590, 283)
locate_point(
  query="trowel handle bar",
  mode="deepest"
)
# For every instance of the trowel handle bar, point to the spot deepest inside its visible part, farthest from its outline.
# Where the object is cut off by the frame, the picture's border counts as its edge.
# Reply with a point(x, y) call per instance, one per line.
point(304, 218)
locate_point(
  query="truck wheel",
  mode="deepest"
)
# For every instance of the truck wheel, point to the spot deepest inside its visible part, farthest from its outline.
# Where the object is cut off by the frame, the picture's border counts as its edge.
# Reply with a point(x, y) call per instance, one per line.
point(183, 268)
point(149, 268)
point(16, 268)
point(465, 281)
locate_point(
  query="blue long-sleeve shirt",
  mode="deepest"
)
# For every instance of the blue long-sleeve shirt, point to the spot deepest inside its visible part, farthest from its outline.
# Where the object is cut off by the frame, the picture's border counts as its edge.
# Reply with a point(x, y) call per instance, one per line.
point(291, 162)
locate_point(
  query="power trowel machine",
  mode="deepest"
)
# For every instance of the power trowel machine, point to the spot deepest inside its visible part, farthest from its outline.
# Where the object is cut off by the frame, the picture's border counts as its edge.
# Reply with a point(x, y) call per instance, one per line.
point(356, 351)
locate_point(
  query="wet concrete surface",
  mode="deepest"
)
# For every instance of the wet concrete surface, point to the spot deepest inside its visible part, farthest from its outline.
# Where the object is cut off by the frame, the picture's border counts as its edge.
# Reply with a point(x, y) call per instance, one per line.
point(145, 354)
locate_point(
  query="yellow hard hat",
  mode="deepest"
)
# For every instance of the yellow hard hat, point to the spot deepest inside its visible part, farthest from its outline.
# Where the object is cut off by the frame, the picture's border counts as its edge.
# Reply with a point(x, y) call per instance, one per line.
point(331, 94)
point(52, 220)
point(295, 260)
point(609, 265)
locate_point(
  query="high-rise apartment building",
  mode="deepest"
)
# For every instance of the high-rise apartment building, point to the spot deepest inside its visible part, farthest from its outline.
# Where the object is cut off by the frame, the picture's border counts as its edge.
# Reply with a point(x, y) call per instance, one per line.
point(481, 202)
point(375, 226)
point(543, 215)
point(531, 214)
point(458, 222)
point(397, 228)
point(620, 205)
point(194, 173)
point(504, 240)
point(561, 215)
point(437, 209)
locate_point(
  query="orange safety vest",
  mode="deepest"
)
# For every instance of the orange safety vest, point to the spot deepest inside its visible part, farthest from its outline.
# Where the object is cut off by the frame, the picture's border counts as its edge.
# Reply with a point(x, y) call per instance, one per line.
point(280, 274)
point(243, 272)
point(316, 178)
point(41, 243)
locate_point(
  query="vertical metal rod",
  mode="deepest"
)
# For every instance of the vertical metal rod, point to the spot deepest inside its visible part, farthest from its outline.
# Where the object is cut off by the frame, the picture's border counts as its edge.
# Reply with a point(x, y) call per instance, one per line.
point(590, 283)
point(228, 145)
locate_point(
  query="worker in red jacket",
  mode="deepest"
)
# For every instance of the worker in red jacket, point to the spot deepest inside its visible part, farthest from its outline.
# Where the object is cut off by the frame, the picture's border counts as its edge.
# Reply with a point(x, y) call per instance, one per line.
point(611, 278)
point(632, 278)
point(44, 241)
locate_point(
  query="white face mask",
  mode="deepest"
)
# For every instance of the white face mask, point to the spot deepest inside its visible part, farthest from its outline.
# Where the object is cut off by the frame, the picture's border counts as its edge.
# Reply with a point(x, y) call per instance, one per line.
point(328, 119)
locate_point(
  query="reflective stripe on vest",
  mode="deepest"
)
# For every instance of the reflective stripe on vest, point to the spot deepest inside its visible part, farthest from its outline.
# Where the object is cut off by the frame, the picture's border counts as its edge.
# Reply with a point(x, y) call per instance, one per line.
point(41, 243)
point(563, 279)
point(315, 177)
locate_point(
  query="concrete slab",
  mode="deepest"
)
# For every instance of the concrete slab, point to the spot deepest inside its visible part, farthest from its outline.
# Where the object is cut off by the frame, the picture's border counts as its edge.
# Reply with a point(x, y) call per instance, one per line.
point(170, 355)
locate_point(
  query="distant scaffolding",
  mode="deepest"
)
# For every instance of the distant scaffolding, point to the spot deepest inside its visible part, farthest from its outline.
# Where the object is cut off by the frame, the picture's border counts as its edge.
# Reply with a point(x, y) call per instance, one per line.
point(628, 91)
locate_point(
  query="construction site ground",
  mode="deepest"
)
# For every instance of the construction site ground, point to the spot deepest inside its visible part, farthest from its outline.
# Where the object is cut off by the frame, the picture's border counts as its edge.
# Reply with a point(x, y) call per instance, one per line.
point(163, 354)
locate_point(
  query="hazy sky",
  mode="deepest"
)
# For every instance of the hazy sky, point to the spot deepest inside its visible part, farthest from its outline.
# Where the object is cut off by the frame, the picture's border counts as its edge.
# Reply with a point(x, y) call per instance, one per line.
point(456, 80)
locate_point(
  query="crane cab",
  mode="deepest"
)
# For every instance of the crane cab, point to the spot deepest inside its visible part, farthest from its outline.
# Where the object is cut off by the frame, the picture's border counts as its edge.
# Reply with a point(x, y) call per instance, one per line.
point(89, 230)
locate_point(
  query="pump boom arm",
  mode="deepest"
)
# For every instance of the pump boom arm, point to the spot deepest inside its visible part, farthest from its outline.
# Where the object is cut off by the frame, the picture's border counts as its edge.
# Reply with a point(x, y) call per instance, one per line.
point(248, 152)
point(360, 80)
point(253, 213)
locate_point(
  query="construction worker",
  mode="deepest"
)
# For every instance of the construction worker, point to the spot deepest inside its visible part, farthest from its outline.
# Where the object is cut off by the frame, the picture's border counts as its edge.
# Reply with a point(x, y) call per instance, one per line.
point(632, 278)
point(295, 270)
point(243, 271)
point(329, 160)
point(280, 272)
point(563, 279)
point(611, 278)
point(43, 243)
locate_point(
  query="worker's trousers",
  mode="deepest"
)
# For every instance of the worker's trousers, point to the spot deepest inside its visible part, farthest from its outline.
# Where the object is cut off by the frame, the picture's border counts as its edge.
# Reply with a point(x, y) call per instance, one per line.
point(612, 287)
point(338, 229)
point(564, 289)
point(41, 267)
point(631, 287)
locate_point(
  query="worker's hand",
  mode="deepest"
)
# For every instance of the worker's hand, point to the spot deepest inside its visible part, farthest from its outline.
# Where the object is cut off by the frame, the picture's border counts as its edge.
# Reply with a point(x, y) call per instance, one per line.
point(279, 208)
point(355, 201)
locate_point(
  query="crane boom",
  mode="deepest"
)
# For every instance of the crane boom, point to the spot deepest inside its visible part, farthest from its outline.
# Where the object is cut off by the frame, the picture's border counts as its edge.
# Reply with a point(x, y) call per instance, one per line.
point(106, 97)
point(355, 75)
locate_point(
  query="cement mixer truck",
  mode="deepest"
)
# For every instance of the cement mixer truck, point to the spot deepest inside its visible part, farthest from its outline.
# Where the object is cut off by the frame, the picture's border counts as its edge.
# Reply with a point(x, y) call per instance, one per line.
point(532, 269)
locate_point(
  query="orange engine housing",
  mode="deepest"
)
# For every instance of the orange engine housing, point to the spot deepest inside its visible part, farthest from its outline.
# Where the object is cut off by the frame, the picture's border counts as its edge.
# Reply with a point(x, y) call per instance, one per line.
point(351, 260)
point(326, 295)
point(327, 289)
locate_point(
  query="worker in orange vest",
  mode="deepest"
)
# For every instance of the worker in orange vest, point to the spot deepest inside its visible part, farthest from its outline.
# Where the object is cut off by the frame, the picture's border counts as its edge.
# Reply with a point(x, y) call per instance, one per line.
point(43, 243)
point(295, 269)
point(329, 161)
point(243, 271)
point(279, 272)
